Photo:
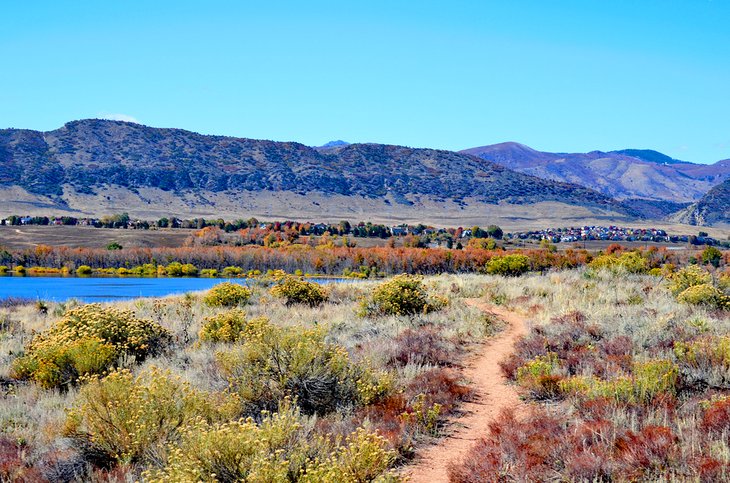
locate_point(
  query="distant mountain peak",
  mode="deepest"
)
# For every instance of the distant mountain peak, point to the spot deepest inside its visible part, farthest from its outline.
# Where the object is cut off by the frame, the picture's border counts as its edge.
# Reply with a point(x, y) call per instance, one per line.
point(650, 155)
point(627, 173)
point(335, 144)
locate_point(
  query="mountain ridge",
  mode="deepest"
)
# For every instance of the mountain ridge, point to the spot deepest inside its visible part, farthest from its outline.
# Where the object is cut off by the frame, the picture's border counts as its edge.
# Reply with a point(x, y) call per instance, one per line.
point(87, 157)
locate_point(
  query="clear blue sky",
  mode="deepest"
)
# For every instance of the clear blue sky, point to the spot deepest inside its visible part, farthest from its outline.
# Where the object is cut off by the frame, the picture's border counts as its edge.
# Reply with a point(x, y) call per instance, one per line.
point(556, 75)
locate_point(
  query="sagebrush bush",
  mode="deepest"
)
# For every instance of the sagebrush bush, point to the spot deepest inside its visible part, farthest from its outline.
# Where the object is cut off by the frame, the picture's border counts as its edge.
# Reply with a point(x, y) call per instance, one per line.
point(227, 294)
point(294, 290)
point(125, 419)
point(508, 265)
point(88, 340)
point(401, 295)
point(224, 327)
point(271, 363)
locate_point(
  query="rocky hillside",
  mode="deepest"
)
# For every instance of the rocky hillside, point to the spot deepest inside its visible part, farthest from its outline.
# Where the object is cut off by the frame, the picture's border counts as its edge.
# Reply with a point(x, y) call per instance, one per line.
point(91, 156)
point(629, 173)
point(711, 209)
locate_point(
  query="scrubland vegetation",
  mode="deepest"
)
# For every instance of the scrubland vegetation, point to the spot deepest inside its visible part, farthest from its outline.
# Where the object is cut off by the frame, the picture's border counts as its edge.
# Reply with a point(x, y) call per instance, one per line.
point(627, 375)
point(288, 381)
point(626, 371)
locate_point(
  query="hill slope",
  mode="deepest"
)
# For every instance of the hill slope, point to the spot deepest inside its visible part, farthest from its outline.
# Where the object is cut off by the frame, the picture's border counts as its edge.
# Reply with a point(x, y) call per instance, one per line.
point(96, 165)
point(629, 173)
point(712, 208)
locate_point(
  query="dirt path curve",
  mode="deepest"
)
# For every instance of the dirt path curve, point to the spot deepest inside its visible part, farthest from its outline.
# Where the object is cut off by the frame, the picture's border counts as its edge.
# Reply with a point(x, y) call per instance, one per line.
point(493, 393)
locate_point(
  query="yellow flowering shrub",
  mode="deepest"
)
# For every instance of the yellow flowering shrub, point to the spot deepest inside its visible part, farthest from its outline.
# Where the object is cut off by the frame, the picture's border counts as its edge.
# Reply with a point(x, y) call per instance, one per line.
point(508, 265)
point(294, 290)
point(224, 327)
point(629, 262)
point(704, 294)
point(88, 340)
point(687, 277)
point(364, 457)
point(271, 363)
point(124, 419)
point(227, 294)
point(281, 448)
point(401, 295)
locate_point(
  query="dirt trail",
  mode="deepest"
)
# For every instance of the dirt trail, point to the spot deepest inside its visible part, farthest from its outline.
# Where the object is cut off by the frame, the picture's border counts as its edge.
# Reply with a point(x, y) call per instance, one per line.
point(493, 393)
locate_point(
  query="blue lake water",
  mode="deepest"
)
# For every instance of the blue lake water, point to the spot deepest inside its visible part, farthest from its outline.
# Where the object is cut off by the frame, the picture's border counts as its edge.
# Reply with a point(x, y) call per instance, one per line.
point(106, 289)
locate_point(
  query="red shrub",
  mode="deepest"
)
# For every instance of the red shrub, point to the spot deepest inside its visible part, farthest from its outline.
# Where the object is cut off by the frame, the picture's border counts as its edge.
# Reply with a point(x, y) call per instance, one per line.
point(424, 346)
point(710, 470)
point(440, 386)
point(618, 346)
point(646, 453)
point(529, 449)
point(14, 466)
point(589, 465)
point(716, 417)
point(386, 417)
point(510, 365)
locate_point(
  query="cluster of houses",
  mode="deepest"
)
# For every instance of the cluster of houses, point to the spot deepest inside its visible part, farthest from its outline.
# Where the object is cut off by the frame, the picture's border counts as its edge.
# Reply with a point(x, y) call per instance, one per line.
point(58, 221)
point(610, 233)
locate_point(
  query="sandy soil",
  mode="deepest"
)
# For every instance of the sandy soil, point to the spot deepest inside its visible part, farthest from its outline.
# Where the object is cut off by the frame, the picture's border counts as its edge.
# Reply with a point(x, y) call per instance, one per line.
point(493, 393)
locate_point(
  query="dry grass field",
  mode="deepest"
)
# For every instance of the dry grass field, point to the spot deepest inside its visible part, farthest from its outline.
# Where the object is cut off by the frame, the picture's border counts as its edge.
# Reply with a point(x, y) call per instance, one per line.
point(21, 237)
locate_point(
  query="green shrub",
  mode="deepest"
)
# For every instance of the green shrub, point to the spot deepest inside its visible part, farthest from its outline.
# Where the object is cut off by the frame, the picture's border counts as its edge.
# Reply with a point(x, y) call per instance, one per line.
point(224, 327)
point(271, 363)
point(83, 270)
point(704, 294)
point(3, 269)
point(174, 269)
point(688, 277)
point(294, 290)
point(401, 295)
point(127, 419)
point(209, 272)
point(649, 379)
point(711, 256)
point(509, 265)
point(232, 271)
point(88, 340)
point(189, 270)
point(227, 294)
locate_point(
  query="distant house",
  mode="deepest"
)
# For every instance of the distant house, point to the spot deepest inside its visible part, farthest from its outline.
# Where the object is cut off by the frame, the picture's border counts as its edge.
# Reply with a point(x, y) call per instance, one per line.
point(399, 230)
